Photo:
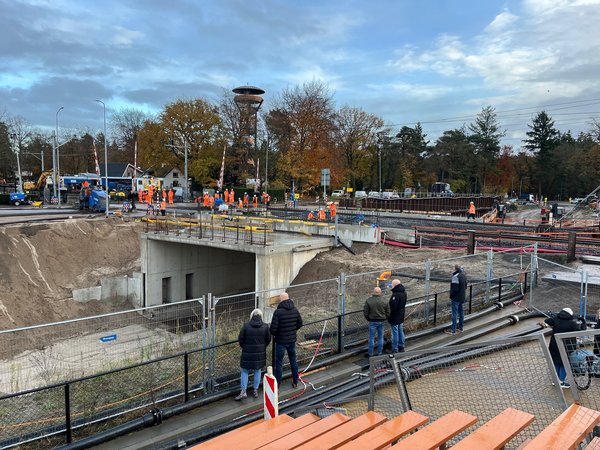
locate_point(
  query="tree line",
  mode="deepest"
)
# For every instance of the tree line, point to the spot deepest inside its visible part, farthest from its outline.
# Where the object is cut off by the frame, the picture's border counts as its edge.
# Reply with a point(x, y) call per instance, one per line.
point(303, 132)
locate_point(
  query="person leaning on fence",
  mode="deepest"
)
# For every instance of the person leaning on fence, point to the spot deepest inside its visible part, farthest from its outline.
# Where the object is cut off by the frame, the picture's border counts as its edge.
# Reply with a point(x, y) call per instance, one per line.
point(458, 289)
point(563, 322)
point(397, 312)
point(254, 338)
point(376, 311)
point(285, 323)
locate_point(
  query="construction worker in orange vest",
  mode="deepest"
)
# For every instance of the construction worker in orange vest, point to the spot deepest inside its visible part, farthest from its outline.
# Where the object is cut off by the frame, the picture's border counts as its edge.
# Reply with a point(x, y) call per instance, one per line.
point(231, 196)
point(240, 203)
point(311, 215)
point(332, 210)
point(254, 201)
point(472, 211)
point(321, 215)
point(141, 196)
point(150, 196)
point(245, 199)
point(163, 206)
point(164, 194)
point(211, 201)
point(226, 196)
point(205, 201)
point(171, 194)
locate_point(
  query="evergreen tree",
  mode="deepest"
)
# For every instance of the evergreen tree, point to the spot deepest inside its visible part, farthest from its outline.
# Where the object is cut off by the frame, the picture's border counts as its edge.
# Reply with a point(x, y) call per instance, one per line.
point(542, 140)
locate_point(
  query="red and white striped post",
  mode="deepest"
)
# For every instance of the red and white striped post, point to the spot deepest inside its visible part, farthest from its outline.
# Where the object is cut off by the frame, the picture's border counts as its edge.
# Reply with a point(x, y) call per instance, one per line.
point(270, 394)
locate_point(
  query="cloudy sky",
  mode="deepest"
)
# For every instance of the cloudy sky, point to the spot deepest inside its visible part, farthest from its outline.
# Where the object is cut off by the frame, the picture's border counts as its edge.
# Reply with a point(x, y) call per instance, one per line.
point(434, 61)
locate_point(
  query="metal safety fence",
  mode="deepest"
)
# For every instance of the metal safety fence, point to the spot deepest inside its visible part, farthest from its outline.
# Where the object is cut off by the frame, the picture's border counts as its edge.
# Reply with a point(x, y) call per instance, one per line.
point(212, 226)
point(41, 355)
point(482, 379)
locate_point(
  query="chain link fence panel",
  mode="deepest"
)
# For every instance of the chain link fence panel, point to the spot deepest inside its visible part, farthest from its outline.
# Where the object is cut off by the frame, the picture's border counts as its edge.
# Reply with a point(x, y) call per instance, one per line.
point(556, 286)
point(482, 379)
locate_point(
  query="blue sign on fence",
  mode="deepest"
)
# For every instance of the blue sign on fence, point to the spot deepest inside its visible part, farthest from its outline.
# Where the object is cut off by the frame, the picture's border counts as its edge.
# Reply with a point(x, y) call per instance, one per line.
point(109, 338)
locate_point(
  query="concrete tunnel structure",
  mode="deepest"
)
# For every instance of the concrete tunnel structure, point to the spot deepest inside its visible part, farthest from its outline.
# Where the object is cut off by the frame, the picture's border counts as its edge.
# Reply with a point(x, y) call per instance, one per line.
point(178, 267)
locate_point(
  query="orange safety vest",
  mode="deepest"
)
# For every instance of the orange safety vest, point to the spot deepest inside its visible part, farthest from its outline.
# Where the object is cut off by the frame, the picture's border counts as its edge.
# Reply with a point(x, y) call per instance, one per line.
point(332, 210)
point(311, 216)
point(231, 197)
point(321, 214)
point(163, 204)
point(170, 197)
point(240, 204)
point(471, 209)
point(245, 199)
point(226, 196)
point(254, 202)
point(217, 195)
point(206, 200)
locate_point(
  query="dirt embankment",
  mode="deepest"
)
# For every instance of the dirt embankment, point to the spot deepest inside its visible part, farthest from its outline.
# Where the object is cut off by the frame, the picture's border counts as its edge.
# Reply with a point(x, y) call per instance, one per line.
point(40, 264)
point(369, 257)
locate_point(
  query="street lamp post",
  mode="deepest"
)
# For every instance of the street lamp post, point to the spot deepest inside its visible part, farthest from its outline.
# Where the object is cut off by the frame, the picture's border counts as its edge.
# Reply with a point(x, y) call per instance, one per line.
point(105, 155)
point(55, 169)
point(379, 157)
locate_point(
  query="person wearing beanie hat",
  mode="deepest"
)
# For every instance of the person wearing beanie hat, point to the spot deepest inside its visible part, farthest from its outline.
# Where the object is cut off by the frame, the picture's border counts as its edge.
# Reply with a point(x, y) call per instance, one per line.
point(254, 338)
point(397, 313)
point(563, 322)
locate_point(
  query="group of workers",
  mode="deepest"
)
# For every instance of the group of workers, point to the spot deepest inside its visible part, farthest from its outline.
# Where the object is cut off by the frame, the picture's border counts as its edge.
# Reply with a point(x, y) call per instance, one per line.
point(321, 214)
point(227, 197)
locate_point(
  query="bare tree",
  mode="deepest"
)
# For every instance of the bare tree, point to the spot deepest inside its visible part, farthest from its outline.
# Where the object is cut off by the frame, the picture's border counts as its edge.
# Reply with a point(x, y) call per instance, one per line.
point(356, 135)
point(126, 124)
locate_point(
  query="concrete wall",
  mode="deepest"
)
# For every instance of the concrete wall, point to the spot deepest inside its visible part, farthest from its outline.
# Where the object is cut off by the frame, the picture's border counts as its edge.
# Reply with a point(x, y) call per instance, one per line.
point(113, 288)
point(346, 233)
point(215, 270)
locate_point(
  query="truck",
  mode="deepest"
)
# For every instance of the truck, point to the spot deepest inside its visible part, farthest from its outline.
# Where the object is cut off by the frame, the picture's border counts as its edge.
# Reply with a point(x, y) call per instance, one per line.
point(525, 197)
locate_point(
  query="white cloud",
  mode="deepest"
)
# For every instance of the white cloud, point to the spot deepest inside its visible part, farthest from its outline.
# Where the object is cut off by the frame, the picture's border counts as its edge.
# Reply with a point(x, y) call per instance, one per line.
point(122, 37)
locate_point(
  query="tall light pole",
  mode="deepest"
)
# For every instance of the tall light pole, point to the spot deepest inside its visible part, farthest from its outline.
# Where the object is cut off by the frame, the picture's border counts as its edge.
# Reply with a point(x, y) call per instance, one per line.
point(105, 155)
point(379, 156)
point(55, 158)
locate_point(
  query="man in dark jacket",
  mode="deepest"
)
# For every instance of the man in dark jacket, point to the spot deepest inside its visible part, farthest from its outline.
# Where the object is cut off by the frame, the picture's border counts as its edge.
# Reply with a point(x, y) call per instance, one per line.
point(458, 289)
point(254, 338)
point(396, 319)
point(563, 322)
point(376, 311)
point(284, 325)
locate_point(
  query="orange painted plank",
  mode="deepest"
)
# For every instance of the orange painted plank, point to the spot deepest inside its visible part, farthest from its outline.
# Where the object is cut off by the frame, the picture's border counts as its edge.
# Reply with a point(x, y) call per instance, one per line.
point(497, 432)
point(385, 434)
point(594, 445)
point(261, 439)
point(346, 432)
point(308, 433)
point(233, 438)
point(437, 433)
point(567, 431)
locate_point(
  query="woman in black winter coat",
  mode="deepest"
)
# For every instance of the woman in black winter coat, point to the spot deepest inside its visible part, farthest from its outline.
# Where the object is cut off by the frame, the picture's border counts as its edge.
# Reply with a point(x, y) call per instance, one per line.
point(254, 338)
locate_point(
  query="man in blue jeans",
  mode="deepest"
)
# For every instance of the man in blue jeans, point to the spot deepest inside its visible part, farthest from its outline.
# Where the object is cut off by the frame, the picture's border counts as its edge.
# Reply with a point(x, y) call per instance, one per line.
point(376, 311)
point(458, 289)
point(285, 323)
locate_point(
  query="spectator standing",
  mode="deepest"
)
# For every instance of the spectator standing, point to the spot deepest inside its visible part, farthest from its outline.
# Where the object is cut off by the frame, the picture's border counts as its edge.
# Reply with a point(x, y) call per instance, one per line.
point(285, 323)
point(458, 289)
point(376, 311)
point(397, 313)
point(563, 322)
point(254, 338)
